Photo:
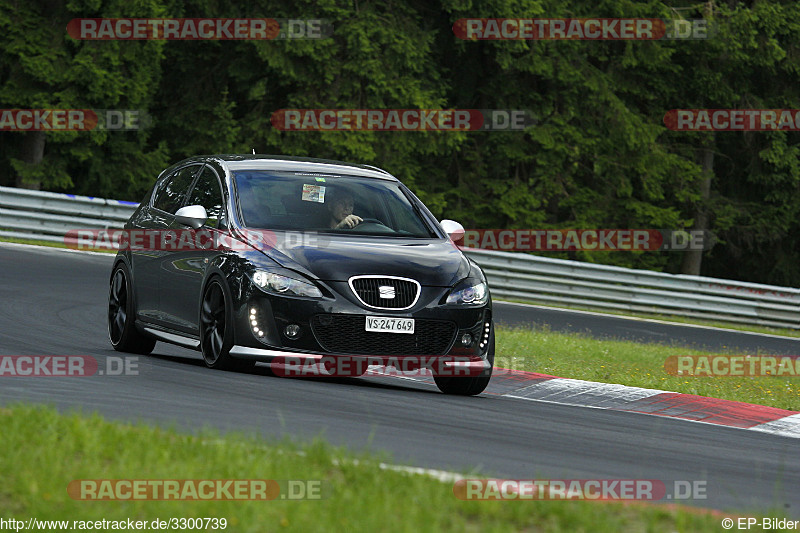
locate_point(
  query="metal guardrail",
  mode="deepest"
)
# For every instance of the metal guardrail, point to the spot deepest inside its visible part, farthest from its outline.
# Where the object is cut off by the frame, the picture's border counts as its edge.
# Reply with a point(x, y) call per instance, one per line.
point(47, 216)
point(531, 278)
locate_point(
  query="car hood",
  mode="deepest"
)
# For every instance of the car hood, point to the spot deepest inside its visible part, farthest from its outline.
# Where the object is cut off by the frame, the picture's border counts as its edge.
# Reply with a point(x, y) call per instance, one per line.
point(432, 262)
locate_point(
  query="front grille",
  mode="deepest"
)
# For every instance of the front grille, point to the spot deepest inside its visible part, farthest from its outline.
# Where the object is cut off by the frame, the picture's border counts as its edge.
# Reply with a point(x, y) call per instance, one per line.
point(385, 292)
point(346, 334)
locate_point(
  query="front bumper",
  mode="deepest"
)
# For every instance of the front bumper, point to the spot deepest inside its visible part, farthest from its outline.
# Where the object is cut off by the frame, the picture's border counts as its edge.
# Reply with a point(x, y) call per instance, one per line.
point(334, 327)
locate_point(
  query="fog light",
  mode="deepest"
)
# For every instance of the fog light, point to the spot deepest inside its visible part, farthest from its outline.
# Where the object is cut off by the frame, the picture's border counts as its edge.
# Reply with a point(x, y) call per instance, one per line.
point(292, 331)
point(466, 339)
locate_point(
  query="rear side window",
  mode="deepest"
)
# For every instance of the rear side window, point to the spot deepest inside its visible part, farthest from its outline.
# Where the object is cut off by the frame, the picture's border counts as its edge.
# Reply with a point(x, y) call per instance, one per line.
point(208, 193)
point(170, 196)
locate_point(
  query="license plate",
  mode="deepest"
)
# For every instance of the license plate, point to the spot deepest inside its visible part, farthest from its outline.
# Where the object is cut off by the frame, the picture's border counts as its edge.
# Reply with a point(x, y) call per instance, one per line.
point(384, 324)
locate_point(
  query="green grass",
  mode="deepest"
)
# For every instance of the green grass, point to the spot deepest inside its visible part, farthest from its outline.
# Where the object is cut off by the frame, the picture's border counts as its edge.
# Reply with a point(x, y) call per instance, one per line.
point(635, 364)
point(784, 332)
point(43, 451)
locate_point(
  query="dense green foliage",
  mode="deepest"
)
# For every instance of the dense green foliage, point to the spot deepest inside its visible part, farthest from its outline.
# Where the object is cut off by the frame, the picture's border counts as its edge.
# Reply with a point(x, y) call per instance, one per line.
point(600, 155)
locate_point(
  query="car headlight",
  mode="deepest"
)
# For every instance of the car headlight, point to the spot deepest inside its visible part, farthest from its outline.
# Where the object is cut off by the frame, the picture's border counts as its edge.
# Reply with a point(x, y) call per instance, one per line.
point(279, 284)
point(469, 292)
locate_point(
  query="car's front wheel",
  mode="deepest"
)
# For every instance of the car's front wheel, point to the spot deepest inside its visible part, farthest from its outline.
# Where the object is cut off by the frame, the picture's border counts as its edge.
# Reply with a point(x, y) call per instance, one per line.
point(216, 328)
point(469, 386)
point(122, 331)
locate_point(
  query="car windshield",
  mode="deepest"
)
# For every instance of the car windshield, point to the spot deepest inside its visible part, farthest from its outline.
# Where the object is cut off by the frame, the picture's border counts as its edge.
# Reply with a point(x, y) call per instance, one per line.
point(306, 201)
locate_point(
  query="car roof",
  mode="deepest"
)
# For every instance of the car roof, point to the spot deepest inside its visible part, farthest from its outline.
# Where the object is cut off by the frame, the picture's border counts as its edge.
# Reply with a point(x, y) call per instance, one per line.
point(283, 163)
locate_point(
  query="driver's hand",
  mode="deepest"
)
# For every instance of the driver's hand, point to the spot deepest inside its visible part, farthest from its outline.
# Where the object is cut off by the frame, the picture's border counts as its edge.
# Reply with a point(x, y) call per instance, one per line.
point(350, 221)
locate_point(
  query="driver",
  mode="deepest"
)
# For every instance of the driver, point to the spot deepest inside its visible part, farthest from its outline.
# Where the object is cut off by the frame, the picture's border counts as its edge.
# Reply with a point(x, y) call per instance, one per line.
point(341, 210)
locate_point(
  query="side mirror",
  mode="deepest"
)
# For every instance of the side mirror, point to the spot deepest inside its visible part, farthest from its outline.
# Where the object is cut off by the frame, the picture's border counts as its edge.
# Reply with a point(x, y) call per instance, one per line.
point(453, 229)
point(193, 216)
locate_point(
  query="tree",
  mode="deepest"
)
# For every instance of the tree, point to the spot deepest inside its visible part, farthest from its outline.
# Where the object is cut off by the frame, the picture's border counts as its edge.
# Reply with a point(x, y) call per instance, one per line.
point(41, 67)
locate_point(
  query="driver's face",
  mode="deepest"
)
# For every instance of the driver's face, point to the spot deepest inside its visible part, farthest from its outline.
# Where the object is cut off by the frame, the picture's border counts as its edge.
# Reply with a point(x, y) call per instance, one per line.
point(342, 207)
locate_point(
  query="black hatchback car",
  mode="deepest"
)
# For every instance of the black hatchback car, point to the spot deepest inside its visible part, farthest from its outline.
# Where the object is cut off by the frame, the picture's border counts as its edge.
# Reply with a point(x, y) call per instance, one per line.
point(290, 260)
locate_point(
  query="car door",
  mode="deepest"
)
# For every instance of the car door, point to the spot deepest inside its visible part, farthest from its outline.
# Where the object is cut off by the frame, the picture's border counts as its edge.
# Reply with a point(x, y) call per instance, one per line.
point(147, 261)
point(183, 271)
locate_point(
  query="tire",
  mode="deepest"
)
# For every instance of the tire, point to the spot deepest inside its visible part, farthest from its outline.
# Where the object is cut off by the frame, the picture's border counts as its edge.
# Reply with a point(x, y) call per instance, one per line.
point(469, 386)
point(216, 328)
point(122, 330)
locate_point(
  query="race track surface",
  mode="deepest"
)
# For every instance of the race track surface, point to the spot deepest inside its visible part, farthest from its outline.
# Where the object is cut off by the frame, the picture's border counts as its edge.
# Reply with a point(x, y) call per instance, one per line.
point(54, 303)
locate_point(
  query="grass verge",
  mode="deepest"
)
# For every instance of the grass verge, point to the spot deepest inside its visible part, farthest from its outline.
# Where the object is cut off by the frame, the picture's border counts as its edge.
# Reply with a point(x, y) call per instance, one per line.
point(783, 332)
point(630, 363)
point(43, 451)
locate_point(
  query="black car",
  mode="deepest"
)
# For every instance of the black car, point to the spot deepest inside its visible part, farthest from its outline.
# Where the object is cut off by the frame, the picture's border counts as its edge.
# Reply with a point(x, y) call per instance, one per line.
point(288, 260)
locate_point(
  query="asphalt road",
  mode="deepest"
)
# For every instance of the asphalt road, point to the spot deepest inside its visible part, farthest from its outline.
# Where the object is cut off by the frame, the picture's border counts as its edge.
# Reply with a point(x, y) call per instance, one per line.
point(54, 303)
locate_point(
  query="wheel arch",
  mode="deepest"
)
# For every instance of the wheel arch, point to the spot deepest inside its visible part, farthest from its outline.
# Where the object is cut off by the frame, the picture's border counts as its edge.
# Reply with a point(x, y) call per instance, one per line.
point(122, 260)
point(215, 272)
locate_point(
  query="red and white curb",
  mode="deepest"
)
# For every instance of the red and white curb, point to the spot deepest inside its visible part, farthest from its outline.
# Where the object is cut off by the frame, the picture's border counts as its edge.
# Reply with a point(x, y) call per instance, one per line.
point(552, 389)
point(788, 426)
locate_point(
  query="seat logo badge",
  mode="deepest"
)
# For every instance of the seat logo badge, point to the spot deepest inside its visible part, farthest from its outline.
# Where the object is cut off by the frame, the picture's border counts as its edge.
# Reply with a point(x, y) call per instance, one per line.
point(386, 292)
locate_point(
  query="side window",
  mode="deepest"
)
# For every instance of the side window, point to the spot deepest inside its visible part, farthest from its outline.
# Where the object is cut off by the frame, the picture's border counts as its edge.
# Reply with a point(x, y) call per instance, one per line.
point(207, 192)
point(170, 197)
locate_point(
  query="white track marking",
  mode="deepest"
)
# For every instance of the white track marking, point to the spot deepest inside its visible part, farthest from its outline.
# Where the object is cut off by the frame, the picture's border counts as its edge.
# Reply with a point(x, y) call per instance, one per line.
point(787, 427)
point(441, 475)
point(572, 391)
point(54, 249)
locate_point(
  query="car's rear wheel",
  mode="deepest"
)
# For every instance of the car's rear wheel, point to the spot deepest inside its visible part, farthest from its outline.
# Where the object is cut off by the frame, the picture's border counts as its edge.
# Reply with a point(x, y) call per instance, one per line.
point(469, 386)
point(216, 328)
point(122, 331)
